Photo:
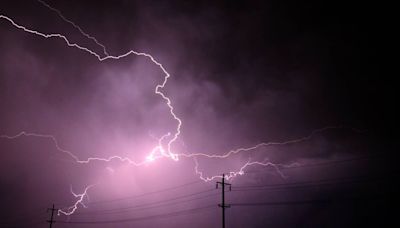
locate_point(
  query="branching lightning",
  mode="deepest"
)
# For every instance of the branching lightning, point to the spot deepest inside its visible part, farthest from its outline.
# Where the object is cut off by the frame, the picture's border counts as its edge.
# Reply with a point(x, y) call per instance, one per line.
point(264, 144)
point(75, 26)
point(163, 149)
point(240, 172)
point(158, 89)
point(80, 197)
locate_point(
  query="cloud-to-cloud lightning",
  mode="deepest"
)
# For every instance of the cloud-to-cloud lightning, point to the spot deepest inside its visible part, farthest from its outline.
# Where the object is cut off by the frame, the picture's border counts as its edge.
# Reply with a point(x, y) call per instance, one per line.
point(158, 88)
point(75, 26)
point(163, 149)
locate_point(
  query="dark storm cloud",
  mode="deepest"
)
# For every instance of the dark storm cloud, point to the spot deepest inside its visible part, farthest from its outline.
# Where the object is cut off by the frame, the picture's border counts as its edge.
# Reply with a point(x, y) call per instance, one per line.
point(242, 73)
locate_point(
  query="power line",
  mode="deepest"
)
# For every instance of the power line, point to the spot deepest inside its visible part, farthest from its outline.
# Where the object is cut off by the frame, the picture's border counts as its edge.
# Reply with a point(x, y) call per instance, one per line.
point(197, 182)
point(303, 186)
point(141, 195)
point(165, 203)
point(146, 194)
point(300, 202)
point(155, 202)
point(165, 215)
point(122, 210)
point(327, 163)
point(182, 198)
point(310, 183)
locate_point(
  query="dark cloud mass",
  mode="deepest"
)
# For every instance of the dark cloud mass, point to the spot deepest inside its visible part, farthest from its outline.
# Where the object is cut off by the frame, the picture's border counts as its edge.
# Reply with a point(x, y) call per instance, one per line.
point(242, 73)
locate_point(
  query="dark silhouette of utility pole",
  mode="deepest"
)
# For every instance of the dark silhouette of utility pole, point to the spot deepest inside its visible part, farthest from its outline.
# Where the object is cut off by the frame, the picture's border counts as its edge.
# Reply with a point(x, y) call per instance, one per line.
point(51, 221)
point(222, 204)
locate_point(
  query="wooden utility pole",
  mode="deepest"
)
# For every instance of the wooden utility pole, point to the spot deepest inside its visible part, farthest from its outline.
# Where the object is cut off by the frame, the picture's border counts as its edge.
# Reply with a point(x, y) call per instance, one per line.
point(222, 204)
point(51, 221)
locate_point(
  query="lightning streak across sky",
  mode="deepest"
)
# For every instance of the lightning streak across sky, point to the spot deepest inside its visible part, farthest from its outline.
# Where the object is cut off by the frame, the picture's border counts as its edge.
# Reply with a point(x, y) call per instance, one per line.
point(164, 147)
point(265, 144)
point(80, 197)
point(159, 87)
point(75, 26)
point(232, 174)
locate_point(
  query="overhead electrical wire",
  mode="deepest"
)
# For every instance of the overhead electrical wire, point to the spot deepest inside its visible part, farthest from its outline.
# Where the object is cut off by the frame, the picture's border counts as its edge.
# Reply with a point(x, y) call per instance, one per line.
point(157, 216)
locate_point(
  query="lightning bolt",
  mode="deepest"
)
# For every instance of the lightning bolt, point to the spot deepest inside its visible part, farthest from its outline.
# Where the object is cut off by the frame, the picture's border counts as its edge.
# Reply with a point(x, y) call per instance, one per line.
point(75, 26)
point(158, 89)
point(157, 152)
point(266, 144)
point(168, 139)
point(80, 197)
point(153, 153)
point(240, 172)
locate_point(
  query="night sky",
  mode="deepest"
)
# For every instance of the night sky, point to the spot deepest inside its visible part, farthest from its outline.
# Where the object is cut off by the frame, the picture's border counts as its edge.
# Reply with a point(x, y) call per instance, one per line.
point(242, 73)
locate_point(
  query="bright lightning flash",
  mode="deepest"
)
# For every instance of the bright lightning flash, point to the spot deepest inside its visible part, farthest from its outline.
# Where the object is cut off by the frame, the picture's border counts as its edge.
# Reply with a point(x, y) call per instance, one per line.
point(163, 148)
point(80, 197)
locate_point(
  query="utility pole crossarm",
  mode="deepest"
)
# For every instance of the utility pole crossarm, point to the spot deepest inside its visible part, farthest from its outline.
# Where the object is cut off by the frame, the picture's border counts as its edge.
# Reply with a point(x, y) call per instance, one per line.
point(222, 204)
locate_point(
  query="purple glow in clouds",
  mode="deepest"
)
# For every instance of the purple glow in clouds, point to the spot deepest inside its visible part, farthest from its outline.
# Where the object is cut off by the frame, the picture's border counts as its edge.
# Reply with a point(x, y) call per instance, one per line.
point(123, 138)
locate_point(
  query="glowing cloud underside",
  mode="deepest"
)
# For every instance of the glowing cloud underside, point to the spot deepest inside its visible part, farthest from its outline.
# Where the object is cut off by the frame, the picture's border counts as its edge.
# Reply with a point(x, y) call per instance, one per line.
point(163, 149)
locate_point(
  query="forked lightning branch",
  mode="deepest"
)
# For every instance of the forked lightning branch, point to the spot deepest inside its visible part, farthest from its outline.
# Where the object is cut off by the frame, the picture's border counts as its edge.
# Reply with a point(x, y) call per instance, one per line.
point(163, 149)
